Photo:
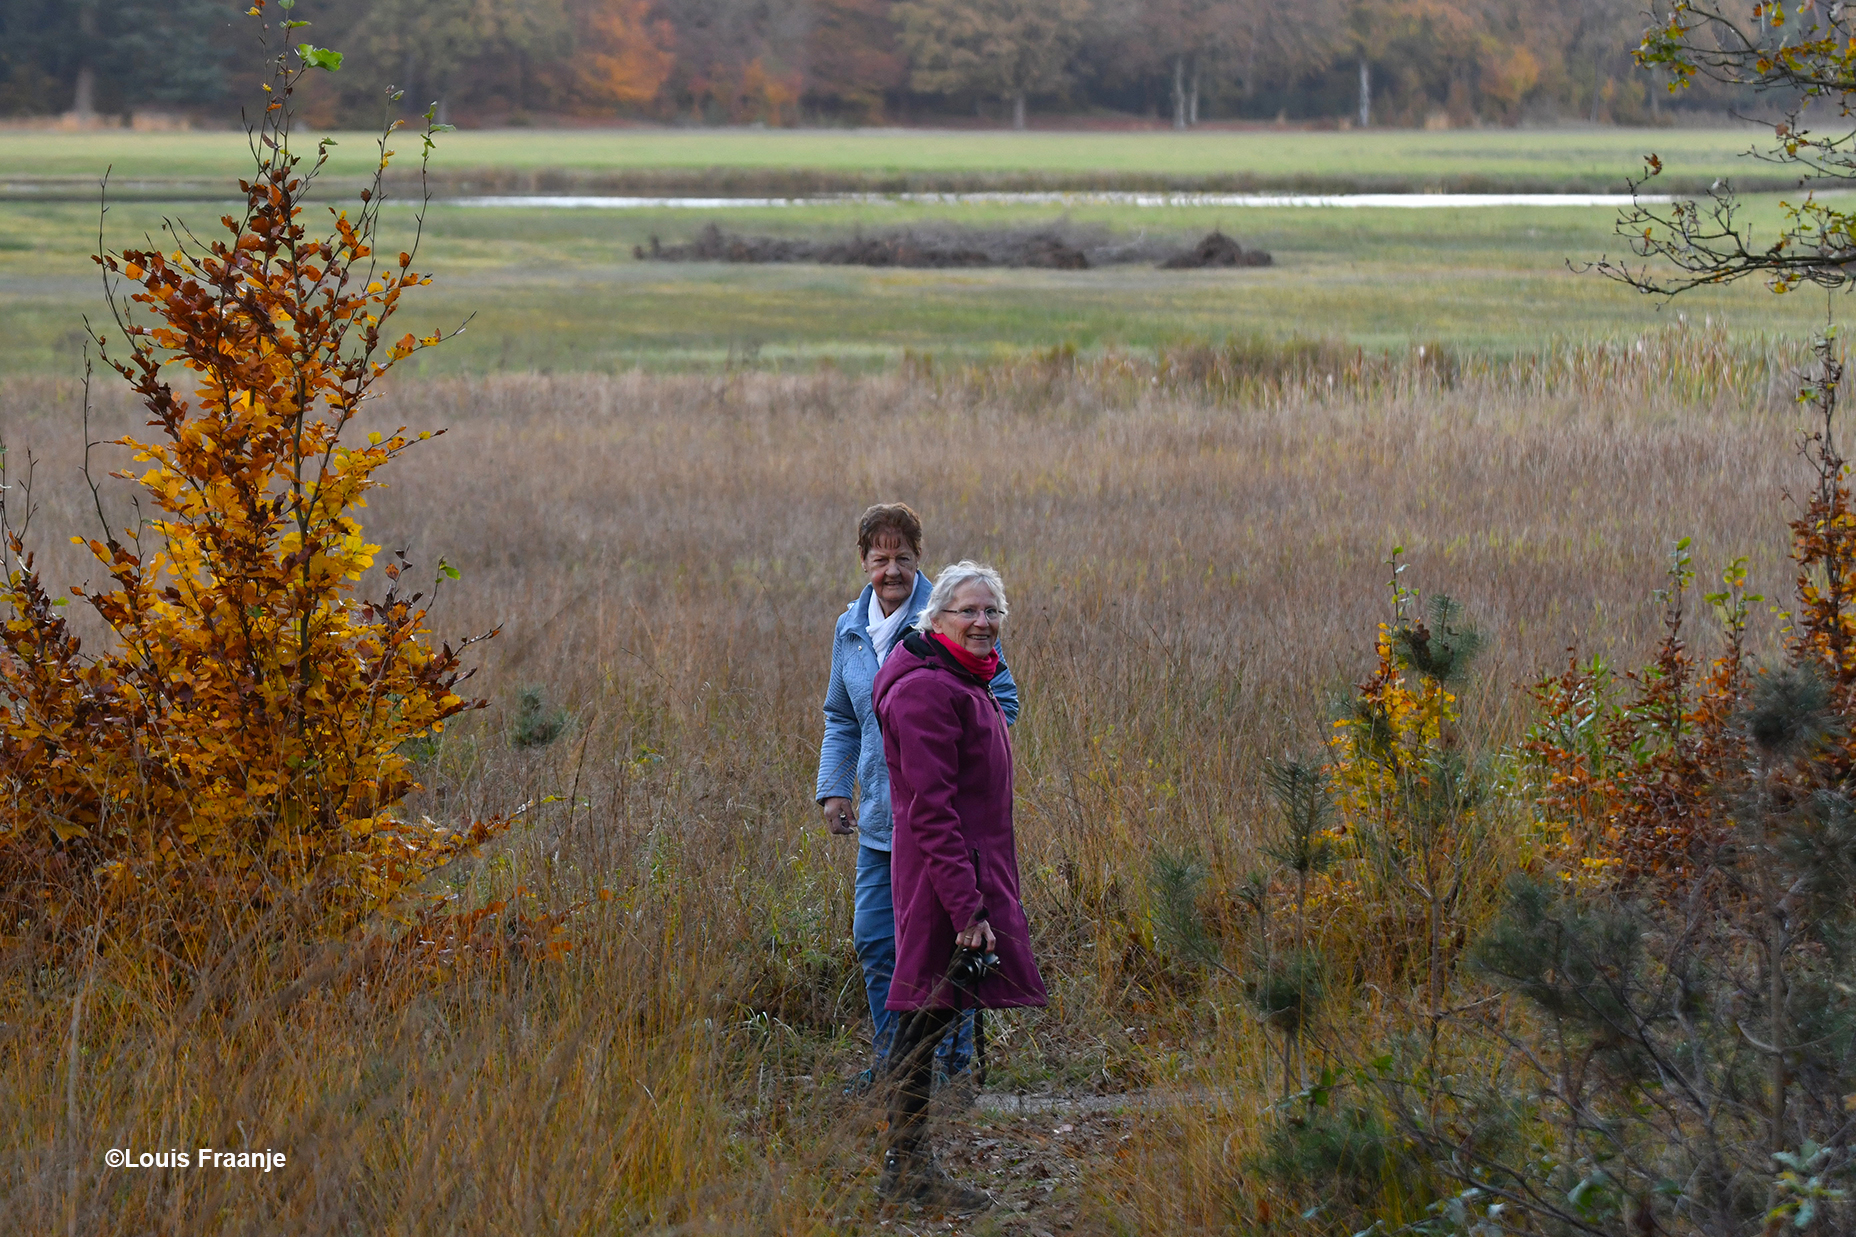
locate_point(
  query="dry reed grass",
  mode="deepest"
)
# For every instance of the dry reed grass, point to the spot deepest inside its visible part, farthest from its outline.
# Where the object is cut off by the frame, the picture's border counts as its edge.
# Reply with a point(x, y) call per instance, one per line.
point(1196, 571)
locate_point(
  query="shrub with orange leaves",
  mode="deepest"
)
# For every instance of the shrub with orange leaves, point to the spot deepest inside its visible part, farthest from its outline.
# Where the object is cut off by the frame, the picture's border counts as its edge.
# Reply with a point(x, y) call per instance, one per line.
point(1644, 773)
point(1676, 1000)
point(239, 742)
point(1630, 766)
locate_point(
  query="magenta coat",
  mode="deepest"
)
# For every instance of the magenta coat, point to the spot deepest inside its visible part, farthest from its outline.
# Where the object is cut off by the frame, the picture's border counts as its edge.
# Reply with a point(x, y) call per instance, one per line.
point(953, 859)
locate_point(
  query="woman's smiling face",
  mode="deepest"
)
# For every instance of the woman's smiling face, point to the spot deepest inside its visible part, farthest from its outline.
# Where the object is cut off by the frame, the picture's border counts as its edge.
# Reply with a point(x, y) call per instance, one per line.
point(890, 567)
point(971, 618)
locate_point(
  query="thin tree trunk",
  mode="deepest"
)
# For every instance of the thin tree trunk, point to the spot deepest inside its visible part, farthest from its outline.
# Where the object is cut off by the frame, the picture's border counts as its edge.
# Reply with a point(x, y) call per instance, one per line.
point(84, 100)
point(1192, 98)
point(1269, 961)
point(1179, 92)
point(1250, 59)
point(1437, 951)
point(84, 96)
point(1301, 966)
point(1018, 110)
point(1366, 94)
point(1776, 998)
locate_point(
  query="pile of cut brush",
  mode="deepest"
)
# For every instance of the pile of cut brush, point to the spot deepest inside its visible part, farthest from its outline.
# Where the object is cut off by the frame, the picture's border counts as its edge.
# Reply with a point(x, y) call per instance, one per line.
point(1059, 247)
point(1216, 249)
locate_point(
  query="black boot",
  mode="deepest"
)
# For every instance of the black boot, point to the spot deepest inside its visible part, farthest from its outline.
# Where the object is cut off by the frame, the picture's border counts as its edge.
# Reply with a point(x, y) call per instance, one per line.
point(910, 1175)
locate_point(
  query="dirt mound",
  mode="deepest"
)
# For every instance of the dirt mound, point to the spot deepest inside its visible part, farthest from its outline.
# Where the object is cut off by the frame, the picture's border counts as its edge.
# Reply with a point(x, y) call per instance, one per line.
point(1058, 247)
point(715, 245)
point(1050, 248)
point(1216, 249)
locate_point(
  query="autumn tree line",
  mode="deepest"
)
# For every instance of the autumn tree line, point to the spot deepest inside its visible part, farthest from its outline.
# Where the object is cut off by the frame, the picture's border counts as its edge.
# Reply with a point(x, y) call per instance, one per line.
point(784, 62)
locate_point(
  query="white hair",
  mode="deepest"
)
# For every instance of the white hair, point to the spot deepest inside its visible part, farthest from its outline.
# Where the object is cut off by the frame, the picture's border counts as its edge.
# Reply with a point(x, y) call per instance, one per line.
point(950, 580)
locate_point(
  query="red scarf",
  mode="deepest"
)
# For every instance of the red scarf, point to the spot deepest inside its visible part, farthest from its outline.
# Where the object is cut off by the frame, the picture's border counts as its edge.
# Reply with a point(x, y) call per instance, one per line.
point(983, 668)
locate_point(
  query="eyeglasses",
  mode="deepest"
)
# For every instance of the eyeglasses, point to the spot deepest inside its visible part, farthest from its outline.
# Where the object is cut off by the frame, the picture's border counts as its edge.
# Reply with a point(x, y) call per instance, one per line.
point(971, 614)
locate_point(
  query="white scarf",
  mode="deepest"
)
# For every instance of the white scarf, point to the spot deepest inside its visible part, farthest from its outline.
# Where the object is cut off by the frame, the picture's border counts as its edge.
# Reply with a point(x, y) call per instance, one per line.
point(884, 632)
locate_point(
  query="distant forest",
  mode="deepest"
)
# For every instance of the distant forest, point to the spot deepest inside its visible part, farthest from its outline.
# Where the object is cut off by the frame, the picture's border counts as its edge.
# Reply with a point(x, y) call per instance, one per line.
point(784, 62)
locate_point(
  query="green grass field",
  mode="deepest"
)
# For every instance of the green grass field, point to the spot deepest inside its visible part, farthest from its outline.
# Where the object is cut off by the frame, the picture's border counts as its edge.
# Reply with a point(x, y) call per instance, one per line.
point(558, 290)
point(1588, 158)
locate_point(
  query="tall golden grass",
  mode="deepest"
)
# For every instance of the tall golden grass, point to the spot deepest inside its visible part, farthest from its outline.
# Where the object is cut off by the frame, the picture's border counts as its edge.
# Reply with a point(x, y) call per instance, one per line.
point(1194, 547)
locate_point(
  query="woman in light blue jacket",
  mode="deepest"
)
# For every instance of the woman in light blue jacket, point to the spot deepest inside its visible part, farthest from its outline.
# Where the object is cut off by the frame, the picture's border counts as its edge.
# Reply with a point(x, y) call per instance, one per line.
point(889, 543)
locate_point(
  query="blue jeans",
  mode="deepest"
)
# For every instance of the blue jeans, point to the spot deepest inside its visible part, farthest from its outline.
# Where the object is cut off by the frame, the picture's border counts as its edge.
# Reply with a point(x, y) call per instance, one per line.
point(873, 931)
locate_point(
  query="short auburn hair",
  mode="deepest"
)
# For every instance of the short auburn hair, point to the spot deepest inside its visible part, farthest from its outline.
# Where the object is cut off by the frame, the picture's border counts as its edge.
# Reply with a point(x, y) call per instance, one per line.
point(888, 519)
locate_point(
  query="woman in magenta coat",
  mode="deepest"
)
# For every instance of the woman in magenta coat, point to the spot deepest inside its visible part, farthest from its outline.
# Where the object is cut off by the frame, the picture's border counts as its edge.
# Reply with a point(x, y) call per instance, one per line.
point(954, 861)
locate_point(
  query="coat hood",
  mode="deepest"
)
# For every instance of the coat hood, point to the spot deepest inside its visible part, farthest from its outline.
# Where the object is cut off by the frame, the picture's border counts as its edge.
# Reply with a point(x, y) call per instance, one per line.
point(915, 653)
